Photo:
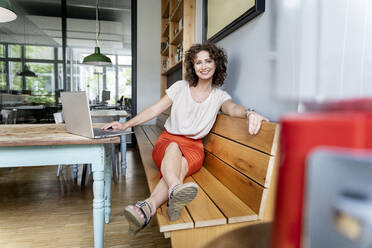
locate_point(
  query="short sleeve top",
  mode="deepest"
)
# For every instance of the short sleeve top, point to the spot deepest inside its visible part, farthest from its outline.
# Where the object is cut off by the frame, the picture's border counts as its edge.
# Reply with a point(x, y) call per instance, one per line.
point(190, 118)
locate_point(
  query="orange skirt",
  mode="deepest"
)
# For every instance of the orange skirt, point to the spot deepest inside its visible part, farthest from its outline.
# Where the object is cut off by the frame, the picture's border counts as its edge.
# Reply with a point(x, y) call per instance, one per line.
point(191, 149)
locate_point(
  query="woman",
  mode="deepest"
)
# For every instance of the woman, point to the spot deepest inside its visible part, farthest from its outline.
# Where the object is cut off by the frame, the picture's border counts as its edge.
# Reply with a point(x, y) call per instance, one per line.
point(179, 151)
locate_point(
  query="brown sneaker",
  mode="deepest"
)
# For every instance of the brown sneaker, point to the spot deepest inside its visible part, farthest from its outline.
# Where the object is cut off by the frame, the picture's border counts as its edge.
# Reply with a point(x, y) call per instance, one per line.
point(179, 197)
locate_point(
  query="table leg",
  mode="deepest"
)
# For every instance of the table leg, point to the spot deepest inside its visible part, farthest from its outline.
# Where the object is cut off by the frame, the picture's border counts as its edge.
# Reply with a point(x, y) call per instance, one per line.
point(108, 184)
point(98, 207)
point(123, 147)
point(114, 163)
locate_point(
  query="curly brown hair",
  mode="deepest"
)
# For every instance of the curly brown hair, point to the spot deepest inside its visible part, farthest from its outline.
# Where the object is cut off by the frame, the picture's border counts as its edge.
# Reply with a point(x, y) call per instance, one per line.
point(215, 53)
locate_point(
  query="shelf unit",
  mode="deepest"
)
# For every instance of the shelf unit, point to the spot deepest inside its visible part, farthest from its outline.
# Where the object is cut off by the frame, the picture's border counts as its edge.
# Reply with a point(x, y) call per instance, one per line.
point(177, 35)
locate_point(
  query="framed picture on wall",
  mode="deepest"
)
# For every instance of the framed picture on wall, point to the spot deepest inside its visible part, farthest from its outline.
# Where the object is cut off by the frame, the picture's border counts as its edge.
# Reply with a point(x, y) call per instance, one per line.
point(222, 17)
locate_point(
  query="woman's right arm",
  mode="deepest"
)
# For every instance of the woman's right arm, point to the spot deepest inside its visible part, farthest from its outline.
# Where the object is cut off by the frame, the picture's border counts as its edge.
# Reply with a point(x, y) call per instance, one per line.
point(145, 115)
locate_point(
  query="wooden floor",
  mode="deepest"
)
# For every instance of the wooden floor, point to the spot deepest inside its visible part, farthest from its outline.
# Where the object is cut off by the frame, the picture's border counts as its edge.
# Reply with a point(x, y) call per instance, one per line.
point(37, 209)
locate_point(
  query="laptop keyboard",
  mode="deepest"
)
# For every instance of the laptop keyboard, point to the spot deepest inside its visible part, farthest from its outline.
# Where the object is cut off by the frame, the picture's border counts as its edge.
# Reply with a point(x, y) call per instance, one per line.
point(100, 132)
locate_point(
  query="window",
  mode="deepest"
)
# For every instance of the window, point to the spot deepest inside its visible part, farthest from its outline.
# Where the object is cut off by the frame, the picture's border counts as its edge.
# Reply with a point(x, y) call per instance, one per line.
point(2, 51)
point(125, 81)
point(15, 81)
point(2, 76)
point(15, 51)
point(125, 60)
point(43, 84)
point(39, 52)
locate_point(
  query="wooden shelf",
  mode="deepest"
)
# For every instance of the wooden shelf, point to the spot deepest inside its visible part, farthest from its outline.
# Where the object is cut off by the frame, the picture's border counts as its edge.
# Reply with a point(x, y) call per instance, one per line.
point(165, 32)
point(165, 52)
point(165, 11)
point(177, 12)
point(178, 38)
point(173, 68)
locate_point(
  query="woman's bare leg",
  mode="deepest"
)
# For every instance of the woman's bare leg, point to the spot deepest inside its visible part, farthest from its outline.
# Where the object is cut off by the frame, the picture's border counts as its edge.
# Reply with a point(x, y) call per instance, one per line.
point(174, 169)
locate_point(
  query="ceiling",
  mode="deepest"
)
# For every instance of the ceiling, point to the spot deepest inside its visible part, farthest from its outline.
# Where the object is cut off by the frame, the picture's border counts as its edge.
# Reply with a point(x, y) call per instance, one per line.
point(109, 10)
point(39, 22)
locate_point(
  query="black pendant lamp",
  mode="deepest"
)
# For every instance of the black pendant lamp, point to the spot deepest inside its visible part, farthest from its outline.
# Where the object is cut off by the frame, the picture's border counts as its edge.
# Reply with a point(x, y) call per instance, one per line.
point(26, 72)
point(7, 14)
point(97, 58)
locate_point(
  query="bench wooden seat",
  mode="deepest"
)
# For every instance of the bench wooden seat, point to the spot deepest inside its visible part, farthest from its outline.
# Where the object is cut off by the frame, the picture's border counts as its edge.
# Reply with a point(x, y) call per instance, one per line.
point(236, 182)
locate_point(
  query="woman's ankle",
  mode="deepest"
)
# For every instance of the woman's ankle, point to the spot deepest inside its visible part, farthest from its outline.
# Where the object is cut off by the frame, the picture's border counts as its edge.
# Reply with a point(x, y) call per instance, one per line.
point(152, 206)
point(171, 188)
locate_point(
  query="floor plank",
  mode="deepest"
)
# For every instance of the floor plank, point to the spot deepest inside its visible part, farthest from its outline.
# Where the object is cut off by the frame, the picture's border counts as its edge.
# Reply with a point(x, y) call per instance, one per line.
point(37, 209)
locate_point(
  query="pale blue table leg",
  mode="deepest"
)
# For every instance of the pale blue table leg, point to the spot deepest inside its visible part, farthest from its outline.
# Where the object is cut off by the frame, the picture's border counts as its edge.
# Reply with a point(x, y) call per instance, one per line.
point(75, 170)
point(123, 150)
point(99, 200)
point(98, 207)
point(108, 184)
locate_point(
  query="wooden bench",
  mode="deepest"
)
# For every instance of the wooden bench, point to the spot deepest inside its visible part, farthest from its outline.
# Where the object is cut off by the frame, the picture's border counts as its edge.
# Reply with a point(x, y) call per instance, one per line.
point(236, 183)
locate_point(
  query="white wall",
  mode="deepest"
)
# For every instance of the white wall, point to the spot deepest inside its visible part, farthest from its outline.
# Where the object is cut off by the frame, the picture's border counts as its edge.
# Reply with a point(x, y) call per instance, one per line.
point(325, 49)
point(148, 53)
point(251, 79)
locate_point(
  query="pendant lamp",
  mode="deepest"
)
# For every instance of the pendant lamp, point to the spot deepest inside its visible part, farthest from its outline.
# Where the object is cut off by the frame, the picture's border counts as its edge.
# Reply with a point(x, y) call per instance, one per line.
point(97, 58)
point(26, 72)
point(7, 13)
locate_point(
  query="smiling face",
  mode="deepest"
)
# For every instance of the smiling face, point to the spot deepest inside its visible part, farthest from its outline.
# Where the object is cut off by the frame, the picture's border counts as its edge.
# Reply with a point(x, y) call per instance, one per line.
point(204, 65)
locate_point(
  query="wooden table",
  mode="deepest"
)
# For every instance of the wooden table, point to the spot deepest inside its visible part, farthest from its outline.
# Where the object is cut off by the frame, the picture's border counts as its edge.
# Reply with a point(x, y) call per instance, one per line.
point(110, 115)
point(50, 144)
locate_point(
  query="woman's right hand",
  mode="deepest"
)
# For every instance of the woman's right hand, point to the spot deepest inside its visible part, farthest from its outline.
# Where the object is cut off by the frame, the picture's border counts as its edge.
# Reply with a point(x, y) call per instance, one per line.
point(115, 125)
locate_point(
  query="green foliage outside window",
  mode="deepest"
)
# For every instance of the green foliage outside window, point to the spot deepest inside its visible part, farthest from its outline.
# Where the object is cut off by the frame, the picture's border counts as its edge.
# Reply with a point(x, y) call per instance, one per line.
point(2, 51)
point(2, 76)
point(42, 87)
point(15, 51)
point(16, 81)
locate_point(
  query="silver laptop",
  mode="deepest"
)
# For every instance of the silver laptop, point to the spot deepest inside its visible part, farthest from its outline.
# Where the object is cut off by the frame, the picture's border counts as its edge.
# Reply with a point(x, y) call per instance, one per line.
point(75, 108)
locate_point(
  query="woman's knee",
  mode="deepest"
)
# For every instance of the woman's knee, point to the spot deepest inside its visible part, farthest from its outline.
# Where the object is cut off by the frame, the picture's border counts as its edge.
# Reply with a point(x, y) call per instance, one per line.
point(173, 148)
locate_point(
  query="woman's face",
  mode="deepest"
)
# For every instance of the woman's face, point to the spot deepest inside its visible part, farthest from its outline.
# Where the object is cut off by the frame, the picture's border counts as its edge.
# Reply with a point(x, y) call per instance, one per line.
point(204, 66)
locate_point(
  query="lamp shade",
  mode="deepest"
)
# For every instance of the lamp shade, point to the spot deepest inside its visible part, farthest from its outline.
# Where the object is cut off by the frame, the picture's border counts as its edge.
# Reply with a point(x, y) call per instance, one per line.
point(97, 58)
point(27, 73)
point(7, 13)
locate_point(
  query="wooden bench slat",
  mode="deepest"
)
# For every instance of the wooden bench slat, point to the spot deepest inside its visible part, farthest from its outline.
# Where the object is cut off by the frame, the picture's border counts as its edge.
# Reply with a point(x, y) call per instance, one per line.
point(161, 119)
point(251, 193)
point(248, 161)
point(203, 211)
point(151, 135)
point(184, 221)
point(236, 129)
point(231, 206)
point(156, 129)
point(152, 175)
point(167, 111)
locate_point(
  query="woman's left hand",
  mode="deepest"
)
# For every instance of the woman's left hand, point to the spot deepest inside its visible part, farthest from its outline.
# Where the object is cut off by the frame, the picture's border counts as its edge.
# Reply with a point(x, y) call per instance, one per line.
point(254, 121)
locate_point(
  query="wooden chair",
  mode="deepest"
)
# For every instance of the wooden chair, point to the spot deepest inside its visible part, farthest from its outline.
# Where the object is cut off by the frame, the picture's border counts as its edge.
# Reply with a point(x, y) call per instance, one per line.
point(9, 116)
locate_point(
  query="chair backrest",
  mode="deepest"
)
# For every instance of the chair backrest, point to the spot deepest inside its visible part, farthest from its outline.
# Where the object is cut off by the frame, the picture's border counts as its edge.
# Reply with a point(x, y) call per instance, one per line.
point(9, 116)
point(58, 118)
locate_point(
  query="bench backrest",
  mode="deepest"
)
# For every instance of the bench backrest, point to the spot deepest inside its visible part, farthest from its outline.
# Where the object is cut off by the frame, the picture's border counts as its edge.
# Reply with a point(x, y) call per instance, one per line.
point(244, 163)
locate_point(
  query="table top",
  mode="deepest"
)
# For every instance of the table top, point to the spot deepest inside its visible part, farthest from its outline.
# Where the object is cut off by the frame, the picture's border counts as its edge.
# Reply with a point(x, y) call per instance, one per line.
point(26, 107)
point(109, 113)
point(45, 134)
